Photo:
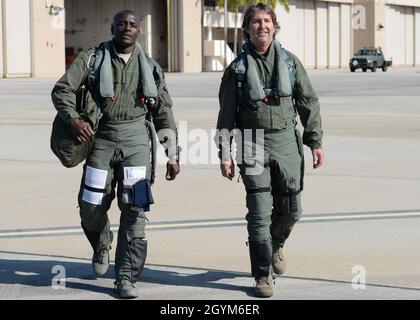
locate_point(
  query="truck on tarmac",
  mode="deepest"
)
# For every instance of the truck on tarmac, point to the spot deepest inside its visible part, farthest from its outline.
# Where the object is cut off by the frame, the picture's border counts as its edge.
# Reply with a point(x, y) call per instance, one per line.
point(369, 58)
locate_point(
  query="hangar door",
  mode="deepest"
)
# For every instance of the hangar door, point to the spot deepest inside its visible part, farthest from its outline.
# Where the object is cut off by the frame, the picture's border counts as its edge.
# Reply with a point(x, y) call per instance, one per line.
point(16, 39)
point(399, 28)
point(318, 32)
point(417, 36)
point(1, 41)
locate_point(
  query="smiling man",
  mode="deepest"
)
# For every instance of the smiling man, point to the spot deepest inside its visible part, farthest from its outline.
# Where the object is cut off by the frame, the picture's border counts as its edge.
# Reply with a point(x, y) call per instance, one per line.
point(129, 89)
point(263, 90)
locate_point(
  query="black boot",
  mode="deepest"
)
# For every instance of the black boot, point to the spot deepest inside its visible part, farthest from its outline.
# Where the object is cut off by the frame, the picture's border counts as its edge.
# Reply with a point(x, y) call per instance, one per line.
point(261, 254)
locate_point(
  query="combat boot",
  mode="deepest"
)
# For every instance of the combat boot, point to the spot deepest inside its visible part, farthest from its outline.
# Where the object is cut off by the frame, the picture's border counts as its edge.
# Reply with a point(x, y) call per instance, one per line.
point(263, 287)
point(100, 259)
point(278, 261)
point(101, 244)
point(261, 254)
point(100, 262)
point(126, 289)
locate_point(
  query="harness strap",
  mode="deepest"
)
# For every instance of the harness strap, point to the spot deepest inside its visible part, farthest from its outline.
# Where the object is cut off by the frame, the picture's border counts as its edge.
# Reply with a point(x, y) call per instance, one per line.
point(94, 63)
point(258, 190)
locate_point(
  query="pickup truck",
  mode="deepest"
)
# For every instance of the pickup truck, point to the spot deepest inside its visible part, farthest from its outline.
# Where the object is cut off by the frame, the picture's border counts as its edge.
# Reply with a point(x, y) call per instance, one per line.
point(369, 58)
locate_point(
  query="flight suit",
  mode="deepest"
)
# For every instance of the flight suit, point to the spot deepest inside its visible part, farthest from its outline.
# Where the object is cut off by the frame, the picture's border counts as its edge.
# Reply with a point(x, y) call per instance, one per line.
point(271, 156)
point(120, 154)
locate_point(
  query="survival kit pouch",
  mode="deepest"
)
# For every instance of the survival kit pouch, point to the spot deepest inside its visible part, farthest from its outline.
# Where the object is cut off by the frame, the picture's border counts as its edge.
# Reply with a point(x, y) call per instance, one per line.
point(69, 151)
point(138, 194)
point(142, 194)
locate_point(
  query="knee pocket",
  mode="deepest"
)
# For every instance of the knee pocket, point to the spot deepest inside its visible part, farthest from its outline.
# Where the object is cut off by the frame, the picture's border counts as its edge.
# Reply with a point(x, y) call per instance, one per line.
point(133, 225)
point(288, 194)
point(291, 205)
point(133, 219)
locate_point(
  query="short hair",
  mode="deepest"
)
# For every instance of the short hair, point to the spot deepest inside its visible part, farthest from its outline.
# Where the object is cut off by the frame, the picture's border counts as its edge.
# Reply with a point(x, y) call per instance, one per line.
point(123, 12)
point(249, 13)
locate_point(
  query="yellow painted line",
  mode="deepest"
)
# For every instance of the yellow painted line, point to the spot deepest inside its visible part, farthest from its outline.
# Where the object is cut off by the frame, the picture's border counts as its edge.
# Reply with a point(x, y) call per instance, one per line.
point(195, 224)
point(31, 233)
point(157, 226)
point(379, 215)
point(213, 223)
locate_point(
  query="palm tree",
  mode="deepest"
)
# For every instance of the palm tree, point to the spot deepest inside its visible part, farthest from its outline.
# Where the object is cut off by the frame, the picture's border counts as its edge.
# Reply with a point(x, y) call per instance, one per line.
point(235, 5)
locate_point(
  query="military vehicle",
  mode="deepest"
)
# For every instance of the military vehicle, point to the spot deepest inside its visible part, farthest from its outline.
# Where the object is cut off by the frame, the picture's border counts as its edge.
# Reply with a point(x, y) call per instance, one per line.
point(369, 58)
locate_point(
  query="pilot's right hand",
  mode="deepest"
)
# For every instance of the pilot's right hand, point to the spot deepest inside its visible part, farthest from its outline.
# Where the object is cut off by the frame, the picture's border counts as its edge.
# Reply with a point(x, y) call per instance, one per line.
point(81, 130)
point(227, 169)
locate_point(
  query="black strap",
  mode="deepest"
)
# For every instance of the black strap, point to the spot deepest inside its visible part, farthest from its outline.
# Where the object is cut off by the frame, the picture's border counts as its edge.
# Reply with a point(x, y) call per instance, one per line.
point(90, 70)
point(94, 189)
point(258, 190)
point(268, 189)
point(85, 85)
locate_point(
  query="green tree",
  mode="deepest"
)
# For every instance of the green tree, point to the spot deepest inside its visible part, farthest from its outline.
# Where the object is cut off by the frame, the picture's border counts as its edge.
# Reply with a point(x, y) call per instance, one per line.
point(236, 5)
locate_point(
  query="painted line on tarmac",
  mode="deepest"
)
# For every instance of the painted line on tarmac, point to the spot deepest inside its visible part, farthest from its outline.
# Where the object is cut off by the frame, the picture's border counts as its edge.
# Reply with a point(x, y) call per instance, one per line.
point(212, 223)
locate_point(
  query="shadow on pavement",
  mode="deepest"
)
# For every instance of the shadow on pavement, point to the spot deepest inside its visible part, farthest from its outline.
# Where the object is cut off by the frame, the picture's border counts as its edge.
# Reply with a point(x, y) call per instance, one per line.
point(206, 279)
point(40, 273)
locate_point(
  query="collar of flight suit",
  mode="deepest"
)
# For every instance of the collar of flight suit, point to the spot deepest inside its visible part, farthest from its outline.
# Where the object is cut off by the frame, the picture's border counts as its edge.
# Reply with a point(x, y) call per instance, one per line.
point(106, 75)
point(255, 85)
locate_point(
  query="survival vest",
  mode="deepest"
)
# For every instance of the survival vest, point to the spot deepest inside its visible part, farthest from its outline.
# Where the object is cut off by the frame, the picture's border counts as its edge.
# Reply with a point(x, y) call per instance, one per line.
point(98, 55)
point(241, 67)
point(94, 64)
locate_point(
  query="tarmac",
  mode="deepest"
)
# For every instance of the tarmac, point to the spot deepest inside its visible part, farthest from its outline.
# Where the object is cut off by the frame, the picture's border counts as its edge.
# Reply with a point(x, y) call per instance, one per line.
point(359, 237)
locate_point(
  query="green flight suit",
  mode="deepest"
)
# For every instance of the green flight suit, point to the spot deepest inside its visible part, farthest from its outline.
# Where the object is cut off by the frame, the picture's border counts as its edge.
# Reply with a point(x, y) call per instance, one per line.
point(273, 192)
point(121, 150)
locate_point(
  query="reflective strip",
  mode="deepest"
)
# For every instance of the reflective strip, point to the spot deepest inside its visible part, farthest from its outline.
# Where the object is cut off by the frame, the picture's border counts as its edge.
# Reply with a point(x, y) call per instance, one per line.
point(92, 197)
point(94, 185)
point(95, 178)
point(135, 172)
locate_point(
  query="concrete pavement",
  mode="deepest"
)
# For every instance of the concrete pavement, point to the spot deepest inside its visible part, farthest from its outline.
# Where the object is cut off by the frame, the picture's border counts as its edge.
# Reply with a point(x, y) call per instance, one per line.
point(362, 208)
